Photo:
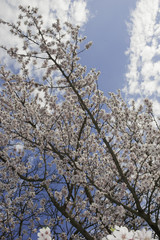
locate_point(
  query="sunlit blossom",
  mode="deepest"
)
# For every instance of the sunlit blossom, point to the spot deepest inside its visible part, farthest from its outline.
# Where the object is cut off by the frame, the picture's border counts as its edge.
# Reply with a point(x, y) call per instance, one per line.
point(44, 234)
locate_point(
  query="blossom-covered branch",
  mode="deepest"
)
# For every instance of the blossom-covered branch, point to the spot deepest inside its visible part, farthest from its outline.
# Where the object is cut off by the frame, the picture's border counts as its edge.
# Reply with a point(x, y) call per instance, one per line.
point(71, 158)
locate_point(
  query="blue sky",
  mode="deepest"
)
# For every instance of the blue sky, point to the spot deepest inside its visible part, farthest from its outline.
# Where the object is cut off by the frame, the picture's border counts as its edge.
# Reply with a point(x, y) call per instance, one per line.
point(107, 29)
point(105, 23)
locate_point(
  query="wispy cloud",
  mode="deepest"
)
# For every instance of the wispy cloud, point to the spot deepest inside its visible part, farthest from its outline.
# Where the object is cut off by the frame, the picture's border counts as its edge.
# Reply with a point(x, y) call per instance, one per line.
point(143, 75)
point(74, 11)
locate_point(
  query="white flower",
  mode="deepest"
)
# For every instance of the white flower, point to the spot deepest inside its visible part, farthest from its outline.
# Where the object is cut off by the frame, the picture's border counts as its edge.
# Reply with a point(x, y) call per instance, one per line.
point(143, 235)
point(44, 234)
point(120, 233)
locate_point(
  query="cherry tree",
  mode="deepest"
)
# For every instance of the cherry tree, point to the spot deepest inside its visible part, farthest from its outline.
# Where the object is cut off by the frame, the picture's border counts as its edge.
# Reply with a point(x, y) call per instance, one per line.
point(71, 158)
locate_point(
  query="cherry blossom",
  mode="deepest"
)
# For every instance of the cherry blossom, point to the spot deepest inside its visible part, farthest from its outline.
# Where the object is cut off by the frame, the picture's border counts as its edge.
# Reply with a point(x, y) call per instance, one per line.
point(44, 234)
point(121, 233)
point(86, 161)
point(143, 234)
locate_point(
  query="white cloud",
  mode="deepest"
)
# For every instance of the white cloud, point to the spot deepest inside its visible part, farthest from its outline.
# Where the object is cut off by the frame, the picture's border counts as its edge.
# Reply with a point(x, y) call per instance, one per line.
point(78, 12)
point(74, 11)
point(143, 75)
point(19, 147)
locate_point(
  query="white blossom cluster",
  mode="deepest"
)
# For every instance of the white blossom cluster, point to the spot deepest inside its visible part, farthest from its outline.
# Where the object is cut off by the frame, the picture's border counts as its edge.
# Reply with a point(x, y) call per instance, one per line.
point(119, 233)
point(85, 161)
point(122, 233)
point(44, 234)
